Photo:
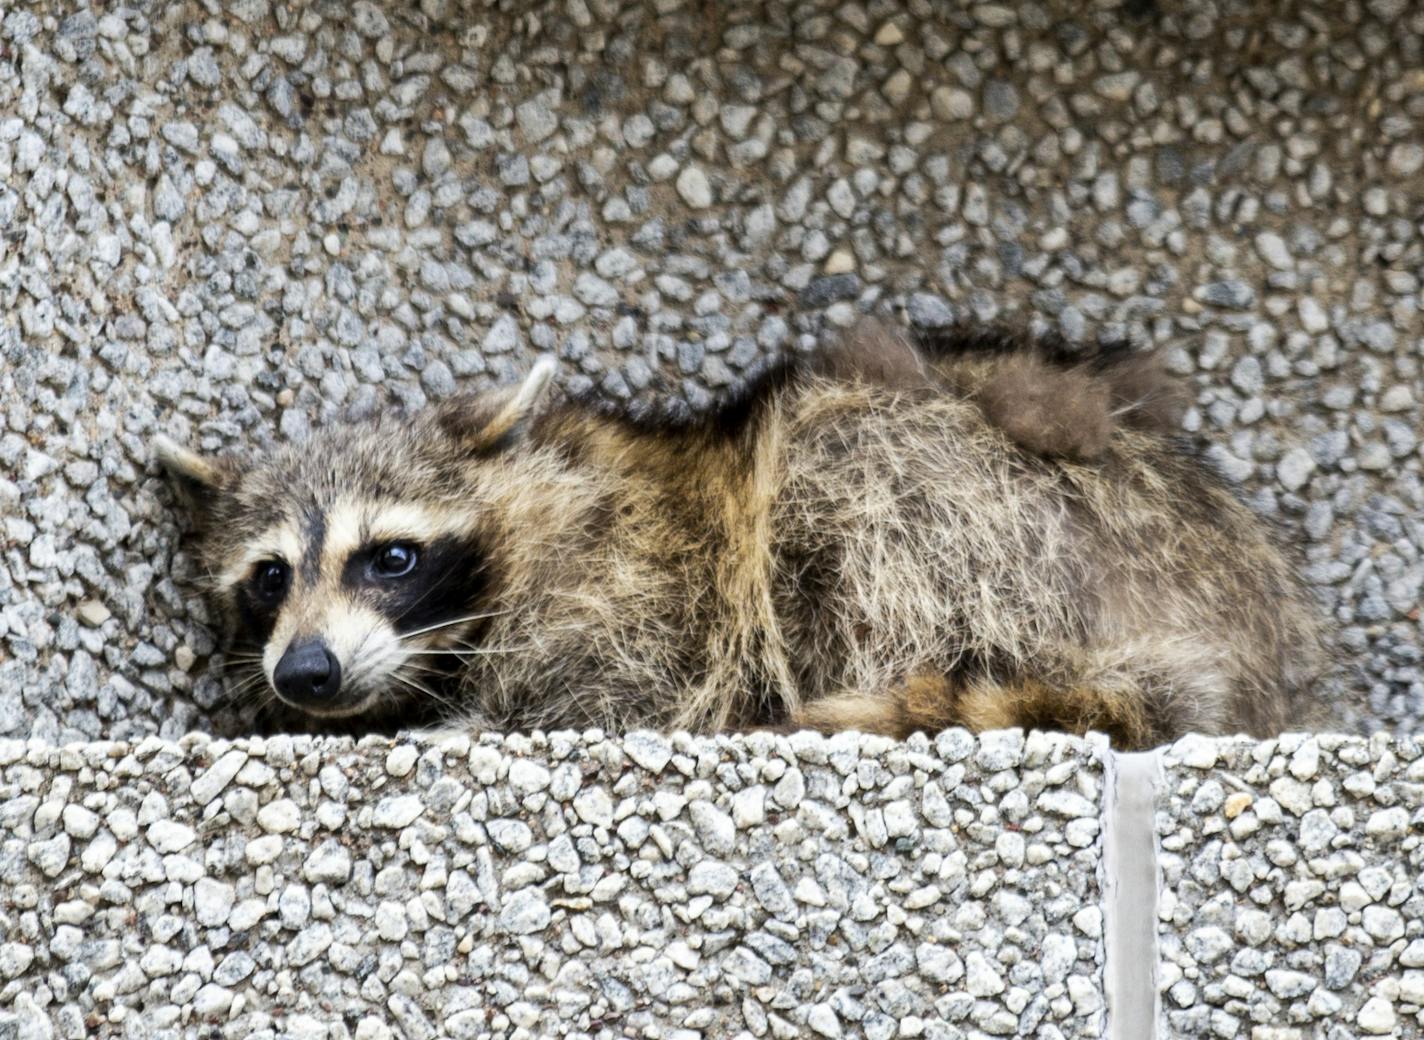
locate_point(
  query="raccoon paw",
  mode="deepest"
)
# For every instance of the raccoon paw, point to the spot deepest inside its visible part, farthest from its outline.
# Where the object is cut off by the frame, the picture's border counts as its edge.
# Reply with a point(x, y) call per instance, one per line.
point(446, 733)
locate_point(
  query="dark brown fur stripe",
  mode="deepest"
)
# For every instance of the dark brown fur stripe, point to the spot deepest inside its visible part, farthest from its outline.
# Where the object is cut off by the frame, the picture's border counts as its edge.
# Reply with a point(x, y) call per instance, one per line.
point(730, 416)
point(970, 341)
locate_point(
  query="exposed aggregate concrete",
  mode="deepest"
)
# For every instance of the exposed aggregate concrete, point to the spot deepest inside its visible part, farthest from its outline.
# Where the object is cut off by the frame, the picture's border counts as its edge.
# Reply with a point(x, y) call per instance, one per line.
point(564, 886)
point(1292, 903)
point(231, 222)
point(759, 885)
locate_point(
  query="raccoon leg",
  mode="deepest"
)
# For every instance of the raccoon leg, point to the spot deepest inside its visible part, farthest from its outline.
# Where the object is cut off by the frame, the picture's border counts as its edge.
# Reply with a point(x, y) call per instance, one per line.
point(446, 730)
point(443, 734)
point(931, 703)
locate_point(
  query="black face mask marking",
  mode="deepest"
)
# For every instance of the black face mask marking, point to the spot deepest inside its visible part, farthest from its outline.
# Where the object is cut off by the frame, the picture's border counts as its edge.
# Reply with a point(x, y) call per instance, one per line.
point(314, 534)
point(447, 580)
point(257, 608)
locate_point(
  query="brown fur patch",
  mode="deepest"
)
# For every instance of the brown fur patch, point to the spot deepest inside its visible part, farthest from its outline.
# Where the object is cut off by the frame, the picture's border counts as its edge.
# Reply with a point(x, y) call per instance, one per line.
point(1145, 395)
point(1053, 399)
point(930, 704)
point(874, 352)
point(1053, 412)
point(865, 713)
point(1030, 704)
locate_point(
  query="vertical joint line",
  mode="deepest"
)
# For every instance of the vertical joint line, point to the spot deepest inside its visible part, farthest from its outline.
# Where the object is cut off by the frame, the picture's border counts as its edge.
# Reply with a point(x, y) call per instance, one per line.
point(1130, 883)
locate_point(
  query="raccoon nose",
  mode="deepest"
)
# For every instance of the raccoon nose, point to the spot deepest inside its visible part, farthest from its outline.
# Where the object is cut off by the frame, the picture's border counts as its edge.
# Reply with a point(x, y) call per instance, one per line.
point(308, 673)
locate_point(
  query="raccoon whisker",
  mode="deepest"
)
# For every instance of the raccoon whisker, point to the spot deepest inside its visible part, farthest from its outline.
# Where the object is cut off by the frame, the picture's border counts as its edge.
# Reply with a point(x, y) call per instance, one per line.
point(400, 675)
point(258, 700)
point(418, 601)
point(248, 676)
point(244, 653)
point(421, 688)
point(427, 693)
point(424, 669)
point(414, 661)
point(251, 691)
point(536, 640)
point(457, 646)
point(244, 698)
point(449, 624)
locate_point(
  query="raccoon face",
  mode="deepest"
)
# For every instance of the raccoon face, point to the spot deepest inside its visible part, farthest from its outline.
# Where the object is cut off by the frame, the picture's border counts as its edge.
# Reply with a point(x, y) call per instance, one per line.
point(357, 570)
point(354, 601)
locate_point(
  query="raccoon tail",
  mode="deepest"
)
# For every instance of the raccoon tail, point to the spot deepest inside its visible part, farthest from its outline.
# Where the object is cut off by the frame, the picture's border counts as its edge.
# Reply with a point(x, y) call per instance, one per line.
point(929, 703)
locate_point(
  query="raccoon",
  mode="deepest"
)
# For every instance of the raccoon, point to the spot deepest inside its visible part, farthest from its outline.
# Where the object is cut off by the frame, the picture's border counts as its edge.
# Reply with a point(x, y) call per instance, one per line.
point(979, 531)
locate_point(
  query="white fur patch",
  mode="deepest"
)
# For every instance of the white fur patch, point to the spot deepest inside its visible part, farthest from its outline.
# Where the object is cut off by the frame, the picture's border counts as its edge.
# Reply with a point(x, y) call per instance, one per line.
point(352, 524)
point(345, 530)
point(365, 644)
point(363, 641)
point(408, 521)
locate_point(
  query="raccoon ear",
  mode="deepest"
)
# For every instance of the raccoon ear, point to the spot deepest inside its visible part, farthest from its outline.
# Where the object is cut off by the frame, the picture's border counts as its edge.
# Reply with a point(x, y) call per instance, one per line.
point(196, 480)
point(492, 426)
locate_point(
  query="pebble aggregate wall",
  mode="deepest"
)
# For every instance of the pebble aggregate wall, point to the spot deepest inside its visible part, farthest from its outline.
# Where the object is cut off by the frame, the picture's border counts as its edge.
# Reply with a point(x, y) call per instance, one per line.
point(756, 886)
point(232, 221)
point(1293, 889)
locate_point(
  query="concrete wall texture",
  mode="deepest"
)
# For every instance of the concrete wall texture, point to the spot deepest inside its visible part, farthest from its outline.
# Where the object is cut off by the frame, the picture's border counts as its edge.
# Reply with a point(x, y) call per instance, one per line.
point(759, 886)
point(565, 886)
point(232, 222)
point(1292, 898)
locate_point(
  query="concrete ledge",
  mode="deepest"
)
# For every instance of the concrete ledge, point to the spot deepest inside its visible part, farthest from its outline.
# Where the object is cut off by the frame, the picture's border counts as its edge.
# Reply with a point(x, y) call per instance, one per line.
point(568, 885)
point(1293, 900)
point(763, 886)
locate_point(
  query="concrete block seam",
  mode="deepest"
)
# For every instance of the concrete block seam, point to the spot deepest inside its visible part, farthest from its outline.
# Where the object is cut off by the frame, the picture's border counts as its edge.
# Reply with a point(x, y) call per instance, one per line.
point(1129, 887)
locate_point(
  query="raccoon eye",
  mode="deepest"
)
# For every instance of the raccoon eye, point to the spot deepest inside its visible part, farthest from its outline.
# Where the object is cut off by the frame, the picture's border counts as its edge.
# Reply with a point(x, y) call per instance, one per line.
point(269, 581)
point(395, 560)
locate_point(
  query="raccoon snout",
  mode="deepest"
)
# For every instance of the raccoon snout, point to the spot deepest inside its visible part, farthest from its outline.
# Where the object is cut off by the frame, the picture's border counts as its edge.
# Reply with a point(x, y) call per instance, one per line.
point(308, 675)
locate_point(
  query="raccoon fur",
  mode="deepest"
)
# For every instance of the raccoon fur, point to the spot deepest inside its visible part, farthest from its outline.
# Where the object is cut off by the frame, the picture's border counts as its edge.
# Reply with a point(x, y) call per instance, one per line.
point(979, 531)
